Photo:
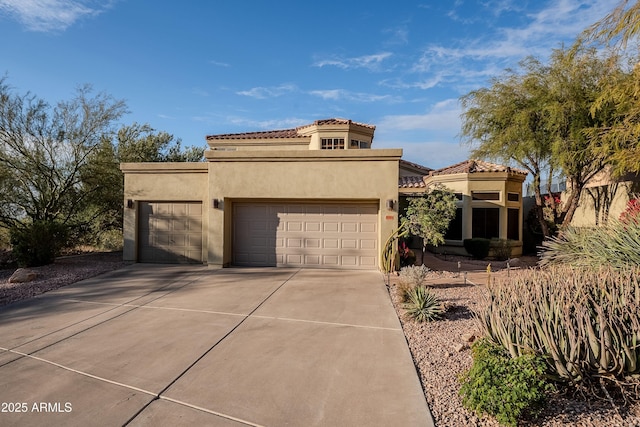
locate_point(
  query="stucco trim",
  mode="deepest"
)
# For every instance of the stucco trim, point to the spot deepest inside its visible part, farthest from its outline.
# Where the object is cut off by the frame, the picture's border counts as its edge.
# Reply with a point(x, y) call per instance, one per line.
point(303, 155)
point(176, 167)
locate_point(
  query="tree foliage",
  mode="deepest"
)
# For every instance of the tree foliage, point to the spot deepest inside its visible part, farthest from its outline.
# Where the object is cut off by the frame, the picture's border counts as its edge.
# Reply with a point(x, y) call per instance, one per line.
point(43, 151)
point(507, 122)
point(429, 216)
point(622, 90)
point(542, 118)
point(60, 165)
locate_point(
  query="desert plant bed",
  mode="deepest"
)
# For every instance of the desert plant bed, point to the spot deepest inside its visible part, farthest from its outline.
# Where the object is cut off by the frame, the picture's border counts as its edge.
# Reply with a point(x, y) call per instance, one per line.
point(441, 351)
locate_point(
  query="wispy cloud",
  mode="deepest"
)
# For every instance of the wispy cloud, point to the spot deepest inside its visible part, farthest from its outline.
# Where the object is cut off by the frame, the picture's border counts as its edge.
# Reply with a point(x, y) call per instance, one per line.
point(469, 63)
point(219, 64)
point(370, 62)
point(268, 92)
point(442, 116)
point(346, 95)
point(52, 15)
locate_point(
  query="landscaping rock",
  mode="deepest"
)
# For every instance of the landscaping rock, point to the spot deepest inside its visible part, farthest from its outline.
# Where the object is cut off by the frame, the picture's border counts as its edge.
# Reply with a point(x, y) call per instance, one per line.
point(23, 275)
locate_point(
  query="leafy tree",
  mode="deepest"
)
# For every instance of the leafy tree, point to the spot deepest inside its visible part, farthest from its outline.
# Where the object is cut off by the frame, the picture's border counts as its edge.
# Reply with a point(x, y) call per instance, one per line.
point(621, 25)
point(507, 122)
point(622, 90)
point(429, 216)
point(43, 152)
point(541, 118)
point(577, 77)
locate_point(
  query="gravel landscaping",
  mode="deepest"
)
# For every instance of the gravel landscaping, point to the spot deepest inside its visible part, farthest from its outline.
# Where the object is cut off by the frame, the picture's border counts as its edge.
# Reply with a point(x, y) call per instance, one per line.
point(440, 349)
point(441, 353)
point(63, 271)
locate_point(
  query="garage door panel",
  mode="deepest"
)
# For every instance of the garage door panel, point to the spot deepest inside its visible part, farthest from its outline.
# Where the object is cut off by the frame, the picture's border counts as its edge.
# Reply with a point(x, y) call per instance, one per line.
point(312, 234)
point(170, 232)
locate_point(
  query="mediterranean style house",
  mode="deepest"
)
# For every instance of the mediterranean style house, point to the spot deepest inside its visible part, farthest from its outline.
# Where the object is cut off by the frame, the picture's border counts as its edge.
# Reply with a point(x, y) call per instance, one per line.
point(315, 196)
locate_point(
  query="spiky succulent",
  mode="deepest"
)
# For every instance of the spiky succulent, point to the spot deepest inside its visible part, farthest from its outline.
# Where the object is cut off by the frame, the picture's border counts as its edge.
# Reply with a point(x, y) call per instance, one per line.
point(423, 305)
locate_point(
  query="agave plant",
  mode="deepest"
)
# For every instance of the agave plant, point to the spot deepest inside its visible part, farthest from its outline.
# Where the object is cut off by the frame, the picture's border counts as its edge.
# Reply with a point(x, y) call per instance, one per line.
point(423, 305)
point(617, 244)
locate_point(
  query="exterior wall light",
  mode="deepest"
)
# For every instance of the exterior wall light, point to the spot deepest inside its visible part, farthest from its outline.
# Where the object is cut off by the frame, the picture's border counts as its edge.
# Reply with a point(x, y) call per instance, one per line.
point(215, 203)
point(390, 204)
point(129, 203)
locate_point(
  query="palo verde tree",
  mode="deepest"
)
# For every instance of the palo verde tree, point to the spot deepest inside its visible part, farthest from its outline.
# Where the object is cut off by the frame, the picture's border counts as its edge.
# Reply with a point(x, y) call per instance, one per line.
point(619, 30)
point(508, 122)
point(43, 151)
point(540, 118)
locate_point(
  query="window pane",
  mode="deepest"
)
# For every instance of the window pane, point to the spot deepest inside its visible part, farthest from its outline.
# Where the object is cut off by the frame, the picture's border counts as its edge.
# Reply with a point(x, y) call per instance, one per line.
point(513, 224)
point(513, 197)
point(455, 227)
point(485, 223)
point(485, 195)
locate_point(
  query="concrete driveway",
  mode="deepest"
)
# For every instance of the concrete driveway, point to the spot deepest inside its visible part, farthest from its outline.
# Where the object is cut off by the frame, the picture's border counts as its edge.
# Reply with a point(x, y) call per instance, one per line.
point(185, 345)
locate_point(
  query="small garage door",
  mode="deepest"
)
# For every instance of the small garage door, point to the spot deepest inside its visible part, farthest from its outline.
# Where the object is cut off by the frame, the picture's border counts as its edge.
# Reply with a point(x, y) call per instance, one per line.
point(170, 232)
point(334, 235)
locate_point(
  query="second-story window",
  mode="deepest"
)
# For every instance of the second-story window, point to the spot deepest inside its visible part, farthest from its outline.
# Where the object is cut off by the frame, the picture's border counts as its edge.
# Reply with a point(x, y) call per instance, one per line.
point(332, 143)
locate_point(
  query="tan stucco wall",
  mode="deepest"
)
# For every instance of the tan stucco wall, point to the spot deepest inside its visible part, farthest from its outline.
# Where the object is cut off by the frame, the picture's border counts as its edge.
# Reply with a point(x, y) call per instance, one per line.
point(466, 184)
point(160, 182)
point(319, 175)
point(617, 195)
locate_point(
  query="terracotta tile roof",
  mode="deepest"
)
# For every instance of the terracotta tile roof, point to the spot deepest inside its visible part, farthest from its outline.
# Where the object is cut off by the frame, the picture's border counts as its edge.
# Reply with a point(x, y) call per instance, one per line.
point(425, 169)
point(411, 182)
point(474, 166)
point(284, 133)
point(337, 121)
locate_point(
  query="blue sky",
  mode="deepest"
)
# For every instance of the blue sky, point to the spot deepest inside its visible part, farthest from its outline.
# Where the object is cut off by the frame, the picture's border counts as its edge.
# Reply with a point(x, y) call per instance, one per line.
point(195, 68)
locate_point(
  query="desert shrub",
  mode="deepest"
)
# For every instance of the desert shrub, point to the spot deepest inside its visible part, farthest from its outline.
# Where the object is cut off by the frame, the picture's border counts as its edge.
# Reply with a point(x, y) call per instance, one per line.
point(5, 241)
point(587, 321)
point(502, 386)
point(423, 305)
point(110, 240)
point(501, 249)
point(616, 244)
point(38, 243)
point(410, 277)
point(415, 275)
point(477, 247)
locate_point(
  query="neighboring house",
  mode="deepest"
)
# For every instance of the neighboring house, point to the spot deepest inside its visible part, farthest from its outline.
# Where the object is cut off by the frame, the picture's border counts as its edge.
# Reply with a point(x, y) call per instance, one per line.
point(314, 196)
point(603, 198)
point(489, 201)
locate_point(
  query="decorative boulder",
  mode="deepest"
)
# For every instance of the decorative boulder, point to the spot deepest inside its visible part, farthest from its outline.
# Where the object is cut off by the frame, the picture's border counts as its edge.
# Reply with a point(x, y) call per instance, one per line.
point(22, 275)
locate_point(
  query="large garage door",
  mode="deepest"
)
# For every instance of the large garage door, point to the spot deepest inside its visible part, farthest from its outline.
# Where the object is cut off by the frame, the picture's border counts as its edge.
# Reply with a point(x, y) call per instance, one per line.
point(335, 235)
point(170, 232)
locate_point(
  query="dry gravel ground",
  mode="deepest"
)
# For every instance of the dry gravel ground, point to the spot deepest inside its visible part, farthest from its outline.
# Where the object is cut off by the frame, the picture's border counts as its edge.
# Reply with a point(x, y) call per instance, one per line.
point(63, 271)
point(434, 345)
point(435, 350)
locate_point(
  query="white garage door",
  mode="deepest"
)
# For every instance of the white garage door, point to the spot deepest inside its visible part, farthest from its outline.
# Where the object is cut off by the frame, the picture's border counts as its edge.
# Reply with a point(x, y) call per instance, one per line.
point(170, 232)
point(334, 235)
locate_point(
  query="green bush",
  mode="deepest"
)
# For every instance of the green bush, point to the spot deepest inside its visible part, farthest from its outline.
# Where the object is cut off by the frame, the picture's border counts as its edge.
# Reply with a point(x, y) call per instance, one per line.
point(422, 304)
point(38, 243)
point(587, 321)
point(501, 249)
point(504, 387)
point(477, 247)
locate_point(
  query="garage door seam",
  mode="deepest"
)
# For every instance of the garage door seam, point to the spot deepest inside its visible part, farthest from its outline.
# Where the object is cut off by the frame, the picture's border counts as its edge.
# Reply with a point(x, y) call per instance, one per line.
point(160, 394)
